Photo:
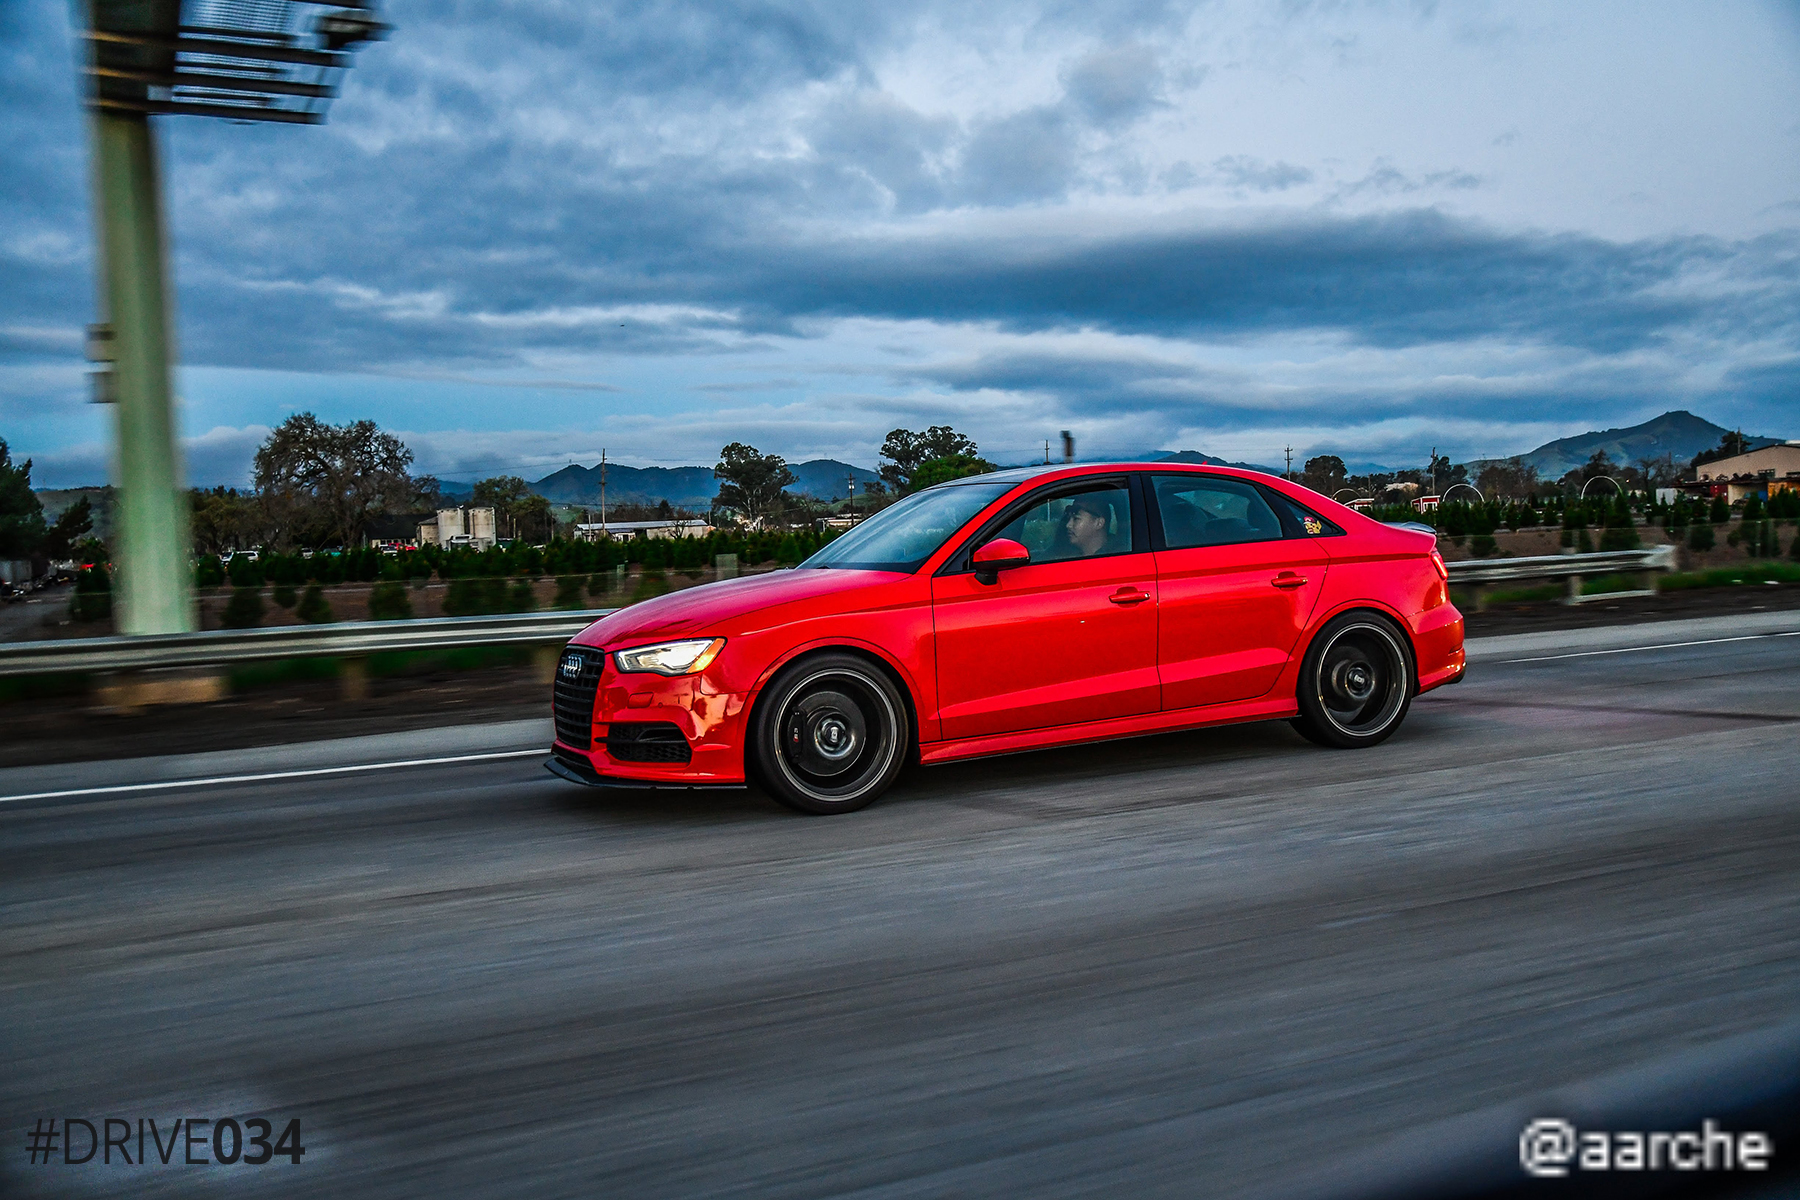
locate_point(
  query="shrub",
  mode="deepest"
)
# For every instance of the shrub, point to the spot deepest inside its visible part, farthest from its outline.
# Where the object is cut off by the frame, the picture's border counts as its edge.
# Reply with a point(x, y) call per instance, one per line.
point(283, 595)
point(1583, 543)
point(568, 592)
point(209, 571)
point(244, 610)
point(463, 599)
point(314, 609)
point(1482, 545)
point(1618, 537)
point(388, 601)
point(245, 572)
point(521, 597)
point(1700, 537)
point(93, 596)
point(1721, 511)
point(492, 591)
point(600, 584)
point(651, 583)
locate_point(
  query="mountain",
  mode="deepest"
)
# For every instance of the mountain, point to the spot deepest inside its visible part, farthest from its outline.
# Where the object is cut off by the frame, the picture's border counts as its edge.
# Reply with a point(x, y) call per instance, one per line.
point(1680, 434)
point(1196, 457)
point(684, 487)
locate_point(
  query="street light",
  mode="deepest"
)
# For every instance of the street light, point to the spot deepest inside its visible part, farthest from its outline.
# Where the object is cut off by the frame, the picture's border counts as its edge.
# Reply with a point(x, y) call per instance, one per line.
point(206, 58)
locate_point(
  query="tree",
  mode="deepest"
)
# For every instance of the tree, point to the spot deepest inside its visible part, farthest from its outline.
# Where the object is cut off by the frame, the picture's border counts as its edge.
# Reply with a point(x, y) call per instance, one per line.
point(506, 495)
point(21, 516)
point(951, 466)
point(325, 481)
point(1324, 474)
point(907, 451)
point(75, 523)
point(1513, 478)
point(751, 482)
point(1730, 446)
point(1660, 471)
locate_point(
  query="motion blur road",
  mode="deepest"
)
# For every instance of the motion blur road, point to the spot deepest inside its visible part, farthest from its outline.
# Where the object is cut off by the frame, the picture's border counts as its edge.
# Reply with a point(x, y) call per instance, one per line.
point(1186, 965)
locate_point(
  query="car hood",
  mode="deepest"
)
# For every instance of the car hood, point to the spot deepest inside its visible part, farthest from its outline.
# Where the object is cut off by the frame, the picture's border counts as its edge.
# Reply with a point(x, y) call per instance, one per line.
point(732, 606)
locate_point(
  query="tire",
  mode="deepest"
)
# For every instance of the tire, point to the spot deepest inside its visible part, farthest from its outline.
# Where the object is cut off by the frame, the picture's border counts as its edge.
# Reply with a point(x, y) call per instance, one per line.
point(1356, 682)
point(829, 735)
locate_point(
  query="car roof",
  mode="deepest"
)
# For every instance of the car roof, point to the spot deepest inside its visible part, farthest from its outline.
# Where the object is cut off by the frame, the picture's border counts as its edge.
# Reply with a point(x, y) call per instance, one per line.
point(1022, 474)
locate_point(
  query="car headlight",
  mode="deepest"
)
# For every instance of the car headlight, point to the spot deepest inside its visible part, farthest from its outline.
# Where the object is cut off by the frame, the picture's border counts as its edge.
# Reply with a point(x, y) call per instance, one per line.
point(671, 658)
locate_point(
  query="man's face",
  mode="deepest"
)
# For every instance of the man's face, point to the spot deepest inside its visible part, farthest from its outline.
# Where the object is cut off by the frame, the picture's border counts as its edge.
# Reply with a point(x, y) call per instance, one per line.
point(1087, 531)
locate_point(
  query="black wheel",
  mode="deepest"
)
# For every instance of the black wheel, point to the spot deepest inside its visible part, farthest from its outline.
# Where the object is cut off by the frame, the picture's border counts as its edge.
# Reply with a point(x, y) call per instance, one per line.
point(1356, 682)
point(829, 735)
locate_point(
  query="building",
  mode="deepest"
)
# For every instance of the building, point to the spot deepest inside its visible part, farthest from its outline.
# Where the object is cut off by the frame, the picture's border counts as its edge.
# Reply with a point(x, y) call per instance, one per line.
point(1758, 473)
point(461, 526)
point(650, 529)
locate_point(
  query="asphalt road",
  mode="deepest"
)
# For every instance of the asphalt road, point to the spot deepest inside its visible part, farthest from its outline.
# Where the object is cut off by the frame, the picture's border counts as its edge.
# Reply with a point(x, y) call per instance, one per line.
point(1186, 965)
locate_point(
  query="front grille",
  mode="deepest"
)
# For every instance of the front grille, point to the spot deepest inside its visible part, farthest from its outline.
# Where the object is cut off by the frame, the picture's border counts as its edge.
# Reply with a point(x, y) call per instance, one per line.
point(572, 695)
point(647, 742)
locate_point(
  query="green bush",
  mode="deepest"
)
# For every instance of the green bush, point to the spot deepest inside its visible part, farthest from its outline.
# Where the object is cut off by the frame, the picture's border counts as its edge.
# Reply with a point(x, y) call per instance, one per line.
point(93, 595)
point(209, 571)
point(1721, 511)
point(283, 595)
point(1700, 536)
point(1483, 544)
point(493, 594)
point(1618, 537)
point(244, 610)
point(314, 609)
point(568, 592)
point(651, 584)
point(521, 597)
point(388, 601)
point(600, 584)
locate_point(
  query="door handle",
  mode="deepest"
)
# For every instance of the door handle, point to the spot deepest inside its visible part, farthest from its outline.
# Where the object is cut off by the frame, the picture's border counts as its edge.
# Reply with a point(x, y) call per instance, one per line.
point(1129, 595)
point(1287, 579)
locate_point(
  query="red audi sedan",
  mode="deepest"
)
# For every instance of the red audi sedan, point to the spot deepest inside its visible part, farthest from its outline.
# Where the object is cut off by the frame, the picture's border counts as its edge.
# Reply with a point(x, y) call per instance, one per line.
point(1015, 611)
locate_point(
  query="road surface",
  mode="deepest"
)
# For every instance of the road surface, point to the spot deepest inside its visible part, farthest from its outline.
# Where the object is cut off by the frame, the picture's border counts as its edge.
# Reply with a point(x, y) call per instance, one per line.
point(1185, 965)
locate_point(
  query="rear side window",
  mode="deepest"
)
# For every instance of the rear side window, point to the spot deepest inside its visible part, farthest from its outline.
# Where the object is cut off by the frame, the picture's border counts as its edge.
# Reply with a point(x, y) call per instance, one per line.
point(1204, 510)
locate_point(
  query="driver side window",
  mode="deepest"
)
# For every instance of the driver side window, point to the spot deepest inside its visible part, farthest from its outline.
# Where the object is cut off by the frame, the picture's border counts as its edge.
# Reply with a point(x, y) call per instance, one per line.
point(1089, 523)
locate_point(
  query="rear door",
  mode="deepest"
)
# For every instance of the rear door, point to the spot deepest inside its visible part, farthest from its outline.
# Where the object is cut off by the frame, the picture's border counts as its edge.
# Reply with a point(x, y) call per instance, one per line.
point(1068, 638)
point(1235, 590)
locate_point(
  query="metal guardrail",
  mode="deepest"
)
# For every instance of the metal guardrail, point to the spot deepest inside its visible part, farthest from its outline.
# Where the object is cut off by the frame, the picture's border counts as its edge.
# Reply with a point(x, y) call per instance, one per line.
point(347, 639)
point(356, 639)
point(1573, 567)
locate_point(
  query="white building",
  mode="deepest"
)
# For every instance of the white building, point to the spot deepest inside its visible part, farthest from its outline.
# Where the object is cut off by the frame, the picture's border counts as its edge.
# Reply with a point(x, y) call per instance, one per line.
point(461, 526)
point(650, 529)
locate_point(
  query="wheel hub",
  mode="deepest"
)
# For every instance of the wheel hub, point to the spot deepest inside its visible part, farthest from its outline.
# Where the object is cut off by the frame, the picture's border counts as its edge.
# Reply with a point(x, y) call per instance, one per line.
point(826, 733)
point(1354, 680)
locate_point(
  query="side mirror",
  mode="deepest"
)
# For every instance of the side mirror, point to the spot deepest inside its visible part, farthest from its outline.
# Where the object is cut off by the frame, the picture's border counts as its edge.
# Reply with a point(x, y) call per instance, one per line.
point(996, 557)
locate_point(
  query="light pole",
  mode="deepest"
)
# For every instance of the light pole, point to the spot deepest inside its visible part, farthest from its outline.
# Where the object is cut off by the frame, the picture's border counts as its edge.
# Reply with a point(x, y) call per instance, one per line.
point(143, 59)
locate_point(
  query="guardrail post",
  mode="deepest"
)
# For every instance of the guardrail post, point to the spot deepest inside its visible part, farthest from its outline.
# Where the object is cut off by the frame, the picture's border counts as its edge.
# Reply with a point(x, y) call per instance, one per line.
point(725, 566)
point(134, 691)
point(1574, 596)
point(543, 662)
point(353, 679)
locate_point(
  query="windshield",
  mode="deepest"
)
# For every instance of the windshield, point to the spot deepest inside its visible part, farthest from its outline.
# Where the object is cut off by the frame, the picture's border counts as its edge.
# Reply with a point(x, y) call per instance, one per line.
point(902, 537)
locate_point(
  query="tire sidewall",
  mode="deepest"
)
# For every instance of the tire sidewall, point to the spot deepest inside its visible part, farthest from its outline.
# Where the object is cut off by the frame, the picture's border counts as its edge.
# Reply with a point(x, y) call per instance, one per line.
point(763, 758)
point(1314, 722)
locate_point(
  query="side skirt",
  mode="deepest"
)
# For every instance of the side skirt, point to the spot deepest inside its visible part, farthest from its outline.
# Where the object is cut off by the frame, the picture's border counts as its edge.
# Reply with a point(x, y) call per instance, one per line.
point(1265, 709)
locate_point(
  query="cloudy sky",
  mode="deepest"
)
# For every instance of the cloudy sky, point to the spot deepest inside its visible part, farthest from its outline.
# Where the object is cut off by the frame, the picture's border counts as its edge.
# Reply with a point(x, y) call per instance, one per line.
point(533, 229)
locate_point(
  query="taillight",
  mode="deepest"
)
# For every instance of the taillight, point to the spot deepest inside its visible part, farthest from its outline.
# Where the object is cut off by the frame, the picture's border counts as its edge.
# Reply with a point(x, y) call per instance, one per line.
point(1437, 561)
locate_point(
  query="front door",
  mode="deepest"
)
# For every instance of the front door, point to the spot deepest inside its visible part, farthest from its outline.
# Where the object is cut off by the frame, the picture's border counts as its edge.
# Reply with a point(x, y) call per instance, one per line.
point(1068, 638)
point(1234, 592)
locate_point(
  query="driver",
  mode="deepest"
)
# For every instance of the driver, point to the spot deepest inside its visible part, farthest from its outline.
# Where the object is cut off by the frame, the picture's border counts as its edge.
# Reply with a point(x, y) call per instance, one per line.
point(1087, 524)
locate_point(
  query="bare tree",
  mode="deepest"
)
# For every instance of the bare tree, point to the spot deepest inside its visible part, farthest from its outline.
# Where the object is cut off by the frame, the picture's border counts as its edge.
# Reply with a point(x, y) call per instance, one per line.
point(323, 482)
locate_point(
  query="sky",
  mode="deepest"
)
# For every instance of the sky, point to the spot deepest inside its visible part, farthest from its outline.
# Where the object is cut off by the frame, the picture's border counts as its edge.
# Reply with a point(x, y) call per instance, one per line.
point(535, 229)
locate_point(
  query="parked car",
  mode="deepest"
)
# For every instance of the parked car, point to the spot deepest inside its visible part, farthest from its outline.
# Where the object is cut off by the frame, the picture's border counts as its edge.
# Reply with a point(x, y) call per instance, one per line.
point(1015, 611)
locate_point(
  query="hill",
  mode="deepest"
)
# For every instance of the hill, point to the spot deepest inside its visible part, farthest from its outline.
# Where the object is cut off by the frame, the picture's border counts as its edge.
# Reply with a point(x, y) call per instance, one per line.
point(684, 487)
point(1679, 433)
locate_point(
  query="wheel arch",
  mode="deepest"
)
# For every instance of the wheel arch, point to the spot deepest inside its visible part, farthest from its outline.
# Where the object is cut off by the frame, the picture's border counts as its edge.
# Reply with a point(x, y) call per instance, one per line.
point(1348, 608)
point(870, 653)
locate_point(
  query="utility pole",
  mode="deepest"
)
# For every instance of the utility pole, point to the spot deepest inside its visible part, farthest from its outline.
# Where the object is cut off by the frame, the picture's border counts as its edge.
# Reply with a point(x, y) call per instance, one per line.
point(1046, 452)
point(1289, 451)
point(1068, 440)
point(602, 492)
point(1434, 470)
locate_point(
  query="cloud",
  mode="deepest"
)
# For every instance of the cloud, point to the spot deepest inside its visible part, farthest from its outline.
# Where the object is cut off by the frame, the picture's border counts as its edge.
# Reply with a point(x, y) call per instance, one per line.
point(1114, 86)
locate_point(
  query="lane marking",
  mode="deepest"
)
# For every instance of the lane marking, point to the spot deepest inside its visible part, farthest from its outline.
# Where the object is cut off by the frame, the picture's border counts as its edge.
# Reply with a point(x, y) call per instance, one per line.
point(215, 780)
point(1748, 637)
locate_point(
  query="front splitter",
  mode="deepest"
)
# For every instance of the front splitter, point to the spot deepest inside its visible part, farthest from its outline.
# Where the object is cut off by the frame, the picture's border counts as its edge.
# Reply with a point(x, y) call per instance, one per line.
point(588, 777)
